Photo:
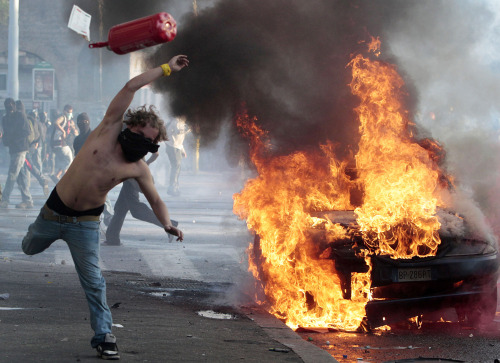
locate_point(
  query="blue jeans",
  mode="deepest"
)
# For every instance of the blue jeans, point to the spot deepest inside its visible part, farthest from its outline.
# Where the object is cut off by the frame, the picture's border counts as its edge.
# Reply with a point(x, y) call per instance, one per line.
point(36, 156)
point(32, 166)
point(83, 242)
point(19, 173)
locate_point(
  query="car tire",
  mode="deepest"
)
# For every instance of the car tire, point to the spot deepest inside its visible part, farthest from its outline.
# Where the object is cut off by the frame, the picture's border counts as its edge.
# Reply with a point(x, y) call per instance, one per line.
point(479, 312)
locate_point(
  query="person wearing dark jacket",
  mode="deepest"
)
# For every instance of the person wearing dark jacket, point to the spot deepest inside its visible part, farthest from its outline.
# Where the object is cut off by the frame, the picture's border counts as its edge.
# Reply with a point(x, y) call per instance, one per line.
point(33, 156)
point(83, 123)
point(16, 132)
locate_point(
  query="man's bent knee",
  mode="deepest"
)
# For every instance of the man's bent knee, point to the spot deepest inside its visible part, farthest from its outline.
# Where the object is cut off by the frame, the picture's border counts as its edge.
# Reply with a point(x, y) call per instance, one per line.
point(27, 247)
point(32, 246)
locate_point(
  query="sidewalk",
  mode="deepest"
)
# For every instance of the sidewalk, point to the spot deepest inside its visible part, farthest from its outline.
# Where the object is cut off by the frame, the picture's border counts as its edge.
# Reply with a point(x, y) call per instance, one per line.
point(45, 319)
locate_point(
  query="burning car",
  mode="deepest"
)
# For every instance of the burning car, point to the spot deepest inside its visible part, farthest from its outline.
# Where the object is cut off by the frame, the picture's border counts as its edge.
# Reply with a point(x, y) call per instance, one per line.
point(462, 274)
point(384, 242)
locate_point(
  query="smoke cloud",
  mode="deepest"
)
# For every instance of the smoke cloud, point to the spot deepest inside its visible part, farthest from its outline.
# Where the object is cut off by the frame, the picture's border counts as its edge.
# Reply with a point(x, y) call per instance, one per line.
point(446, 50)
point(284, 60)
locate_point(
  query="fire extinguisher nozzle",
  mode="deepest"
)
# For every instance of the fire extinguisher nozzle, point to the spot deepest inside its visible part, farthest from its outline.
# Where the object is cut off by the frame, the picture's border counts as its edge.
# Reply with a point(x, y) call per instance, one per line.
point(98, 45)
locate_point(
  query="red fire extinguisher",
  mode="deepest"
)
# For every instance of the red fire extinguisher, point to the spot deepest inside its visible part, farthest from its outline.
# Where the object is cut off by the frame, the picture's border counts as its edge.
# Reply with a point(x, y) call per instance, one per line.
point(141, 33)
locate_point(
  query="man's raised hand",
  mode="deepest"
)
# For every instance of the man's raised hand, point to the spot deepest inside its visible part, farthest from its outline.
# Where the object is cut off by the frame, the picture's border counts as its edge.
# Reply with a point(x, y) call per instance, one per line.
point(178, 62)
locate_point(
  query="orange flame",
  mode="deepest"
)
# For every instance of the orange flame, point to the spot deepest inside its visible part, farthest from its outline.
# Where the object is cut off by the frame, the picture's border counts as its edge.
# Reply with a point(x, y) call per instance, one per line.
point(400, 181)
point(374, 46)
point(302, 287)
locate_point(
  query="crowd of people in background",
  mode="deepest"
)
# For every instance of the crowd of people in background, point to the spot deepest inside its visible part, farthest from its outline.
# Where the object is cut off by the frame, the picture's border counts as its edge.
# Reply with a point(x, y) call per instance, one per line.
point(36, 147)
point(45, 148)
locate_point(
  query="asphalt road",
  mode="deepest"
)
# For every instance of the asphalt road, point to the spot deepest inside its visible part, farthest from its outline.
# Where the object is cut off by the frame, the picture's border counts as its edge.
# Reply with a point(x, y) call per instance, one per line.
point(209, 271)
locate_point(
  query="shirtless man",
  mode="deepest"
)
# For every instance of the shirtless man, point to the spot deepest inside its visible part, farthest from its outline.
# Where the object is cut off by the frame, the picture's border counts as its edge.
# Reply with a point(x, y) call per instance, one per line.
point(108, 157)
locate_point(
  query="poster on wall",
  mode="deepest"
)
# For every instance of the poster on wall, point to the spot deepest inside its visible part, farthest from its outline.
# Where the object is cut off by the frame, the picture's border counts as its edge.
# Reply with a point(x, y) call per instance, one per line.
point(43, 84)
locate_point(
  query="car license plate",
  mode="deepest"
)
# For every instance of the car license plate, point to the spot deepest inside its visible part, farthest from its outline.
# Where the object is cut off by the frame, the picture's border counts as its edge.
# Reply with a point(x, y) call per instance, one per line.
point(413, 274)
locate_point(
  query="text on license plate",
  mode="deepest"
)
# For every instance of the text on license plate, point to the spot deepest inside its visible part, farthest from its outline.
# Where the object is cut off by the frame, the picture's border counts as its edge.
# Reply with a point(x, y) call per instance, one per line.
point(413, 274)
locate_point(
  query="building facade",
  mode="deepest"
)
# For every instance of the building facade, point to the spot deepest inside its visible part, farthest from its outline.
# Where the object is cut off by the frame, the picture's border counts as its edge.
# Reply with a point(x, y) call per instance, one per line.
point(83, 77)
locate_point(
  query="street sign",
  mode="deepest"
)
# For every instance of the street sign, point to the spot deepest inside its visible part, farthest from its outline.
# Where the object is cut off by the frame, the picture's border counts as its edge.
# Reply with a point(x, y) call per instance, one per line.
point(43, 84)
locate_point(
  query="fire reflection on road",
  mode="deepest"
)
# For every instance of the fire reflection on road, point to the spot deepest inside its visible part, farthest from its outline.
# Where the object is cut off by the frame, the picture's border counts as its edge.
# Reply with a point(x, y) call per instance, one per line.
point(445, 339)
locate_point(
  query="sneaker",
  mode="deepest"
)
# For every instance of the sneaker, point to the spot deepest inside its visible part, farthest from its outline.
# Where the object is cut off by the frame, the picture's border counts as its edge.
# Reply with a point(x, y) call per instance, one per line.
point(24, 205)
point(174, 193)
point(108, 349)
point(4, 204)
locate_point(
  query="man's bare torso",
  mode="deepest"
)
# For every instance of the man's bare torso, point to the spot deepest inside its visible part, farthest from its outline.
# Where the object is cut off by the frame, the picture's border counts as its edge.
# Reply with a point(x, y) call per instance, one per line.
point(98, 167)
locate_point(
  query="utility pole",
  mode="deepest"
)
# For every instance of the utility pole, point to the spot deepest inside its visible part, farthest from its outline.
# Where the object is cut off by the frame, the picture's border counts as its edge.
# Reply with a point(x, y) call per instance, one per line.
point(13, 49)
point(101, 32)
point(197, 137)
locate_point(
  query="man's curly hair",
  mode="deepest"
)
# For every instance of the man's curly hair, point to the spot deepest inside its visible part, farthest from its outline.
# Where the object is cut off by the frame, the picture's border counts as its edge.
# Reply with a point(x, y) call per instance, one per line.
point(143, 116)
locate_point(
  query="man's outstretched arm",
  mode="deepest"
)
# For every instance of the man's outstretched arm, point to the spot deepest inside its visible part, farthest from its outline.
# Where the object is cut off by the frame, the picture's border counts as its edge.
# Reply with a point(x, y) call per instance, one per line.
point(157, 205)
point(122, 100)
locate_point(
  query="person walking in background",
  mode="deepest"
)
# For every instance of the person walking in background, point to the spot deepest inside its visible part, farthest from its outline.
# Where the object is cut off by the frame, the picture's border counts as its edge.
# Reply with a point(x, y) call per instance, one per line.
point(32, 156)
point(16, 135)
point(60, 136)
point(37, 153)
point(72, 133)
point(83, 123)
point(177, 131)
point(50, 157)
point(42, 150)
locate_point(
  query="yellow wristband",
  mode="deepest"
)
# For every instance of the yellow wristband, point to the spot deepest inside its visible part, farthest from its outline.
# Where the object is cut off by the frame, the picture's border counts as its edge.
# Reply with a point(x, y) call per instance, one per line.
point(166, 69)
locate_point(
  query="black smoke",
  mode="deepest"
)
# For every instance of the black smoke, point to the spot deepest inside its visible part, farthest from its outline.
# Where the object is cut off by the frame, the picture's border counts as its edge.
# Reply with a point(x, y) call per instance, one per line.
point(284, 59)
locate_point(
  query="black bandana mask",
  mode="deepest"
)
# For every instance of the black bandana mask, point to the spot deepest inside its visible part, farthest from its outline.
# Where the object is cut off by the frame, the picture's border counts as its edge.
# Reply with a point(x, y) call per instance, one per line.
point(135, 146)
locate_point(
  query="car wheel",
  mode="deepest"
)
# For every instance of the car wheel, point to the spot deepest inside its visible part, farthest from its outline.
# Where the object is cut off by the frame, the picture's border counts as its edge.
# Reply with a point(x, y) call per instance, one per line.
point(480, 311)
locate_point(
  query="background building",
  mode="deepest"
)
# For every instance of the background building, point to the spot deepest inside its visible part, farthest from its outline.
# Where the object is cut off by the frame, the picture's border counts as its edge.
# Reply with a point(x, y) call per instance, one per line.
point(83, 77)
